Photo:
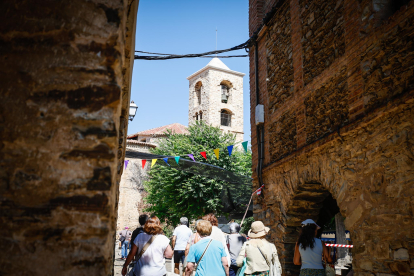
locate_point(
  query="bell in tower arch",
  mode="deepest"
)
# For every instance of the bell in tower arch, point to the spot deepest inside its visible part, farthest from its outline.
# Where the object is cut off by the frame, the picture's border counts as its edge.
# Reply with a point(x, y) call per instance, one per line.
point(224, 93)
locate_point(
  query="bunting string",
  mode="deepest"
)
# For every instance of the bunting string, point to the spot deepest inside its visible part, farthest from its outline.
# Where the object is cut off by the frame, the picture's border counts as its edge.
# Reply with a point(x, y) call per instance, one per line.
point(191, 155)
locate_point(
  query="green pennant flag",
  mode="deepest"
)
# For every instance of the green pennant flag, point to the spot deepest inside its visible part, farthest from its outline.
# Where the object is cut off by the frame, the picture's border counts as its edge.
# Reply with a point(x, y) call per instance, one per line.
point(177, 158)
point(245, 145)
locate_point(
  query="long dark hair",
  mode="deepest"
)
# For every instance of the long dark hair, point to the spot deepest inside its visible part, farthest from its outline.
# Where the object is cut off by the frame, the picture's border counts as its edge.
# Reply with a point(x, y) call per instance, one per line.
point(307, 236)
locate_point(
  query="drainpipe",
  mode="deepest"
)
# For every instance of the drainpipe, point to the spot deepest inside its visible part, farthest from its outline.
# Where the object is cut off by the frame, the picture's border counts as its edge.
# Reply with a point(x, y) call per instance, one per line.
point(259, 116)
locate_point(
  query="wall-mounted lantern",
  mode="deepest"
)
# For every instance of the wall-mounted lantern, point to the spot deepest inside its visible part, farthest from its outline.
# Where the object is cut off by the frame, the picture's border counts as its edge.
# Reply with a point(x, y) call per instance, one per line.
point(132, 110)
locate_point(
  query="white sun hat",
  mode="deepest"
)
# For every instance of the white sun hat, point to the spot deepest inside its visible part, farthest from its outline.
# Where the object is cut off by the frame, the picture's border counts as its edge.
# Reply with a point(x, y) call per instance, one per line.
point(309, 221)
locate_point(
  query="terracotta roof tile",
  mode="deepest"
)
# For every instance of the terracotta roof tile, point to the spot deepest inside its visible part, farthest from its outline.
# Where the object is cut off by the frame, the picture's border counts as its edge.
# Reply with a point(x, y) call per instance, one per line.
point(175, 128)
point(135, 142)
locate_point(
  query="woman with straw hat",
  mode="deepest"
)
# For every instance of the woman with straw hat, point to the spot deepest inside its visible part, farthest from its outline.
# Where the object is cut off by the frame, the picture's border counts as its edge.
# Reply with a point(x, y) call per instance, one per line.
point(261, 255)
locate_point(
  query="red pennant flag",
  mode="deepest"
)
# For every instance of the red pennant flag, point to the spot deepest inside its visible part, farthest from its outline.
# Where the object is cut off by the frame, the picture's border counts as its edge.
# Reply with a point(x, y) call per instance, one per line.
point(204, 154)
point(143, 163)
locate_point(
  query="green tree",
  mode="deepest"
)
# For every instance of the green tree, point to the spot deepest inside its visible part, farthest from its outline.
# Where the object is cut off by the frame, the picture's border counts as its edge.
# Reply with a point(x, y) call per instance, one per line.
point(173, 193)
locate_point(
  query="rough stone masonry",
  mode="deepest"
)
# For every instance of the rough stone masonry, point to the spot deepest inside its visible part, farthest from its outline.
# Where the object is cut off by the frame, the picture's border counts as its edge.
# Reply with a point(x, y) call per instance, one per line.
point(65, 83)
point(336, 78)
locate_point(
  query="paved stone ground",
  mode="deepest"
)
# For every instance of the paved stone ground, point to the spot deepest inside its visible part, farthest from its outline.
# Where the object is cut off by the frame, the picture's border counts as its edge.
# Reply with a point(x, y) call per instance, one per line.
point(118, 263)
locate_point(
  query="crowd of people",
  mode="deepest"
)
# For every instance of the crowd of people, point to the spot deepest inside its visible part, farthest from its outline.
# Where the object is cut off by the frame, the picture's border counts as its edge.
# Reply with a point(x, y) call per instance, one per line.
point(209, 251)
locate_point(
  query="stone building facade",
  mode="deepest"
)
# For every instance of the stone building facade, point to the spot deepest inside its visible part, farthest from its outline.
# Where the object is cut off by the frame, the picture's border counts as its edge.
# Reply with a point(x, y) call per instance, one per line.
point(216, 97)
point(131, 187)
point(66, 69)
point(336, 78)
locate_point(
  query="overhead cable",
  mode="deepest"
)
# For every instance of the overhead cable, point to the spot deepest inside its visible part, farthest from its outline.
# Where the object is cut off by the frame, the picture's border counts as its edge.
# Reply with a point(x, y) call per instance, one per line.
point(232, 56)
point(167, 56)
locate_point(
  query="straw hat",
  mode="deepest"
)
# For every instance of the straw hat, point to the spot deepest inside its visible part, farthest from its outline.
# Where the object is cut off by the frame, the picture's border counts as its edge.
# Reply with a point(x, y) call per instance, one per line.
point(258, 230)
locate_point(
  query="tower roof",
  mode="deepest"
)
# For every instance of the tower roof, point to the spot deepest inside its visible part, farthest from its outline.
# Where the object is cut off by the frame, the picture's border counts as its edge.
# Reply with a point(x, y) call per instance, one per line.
point(216, 64)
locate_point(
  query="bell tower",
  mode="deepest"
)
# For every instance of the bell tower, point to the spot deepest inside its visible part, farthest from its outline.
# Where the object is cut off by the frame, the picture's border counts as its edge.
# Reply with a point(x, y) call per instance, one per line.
point(216, 97)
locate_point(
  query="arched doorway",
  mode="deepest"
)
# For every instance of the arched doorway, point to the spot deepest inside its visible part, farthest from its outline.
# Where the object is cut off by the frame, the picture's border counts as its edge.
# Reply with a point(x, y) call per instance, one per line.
point(310, 201)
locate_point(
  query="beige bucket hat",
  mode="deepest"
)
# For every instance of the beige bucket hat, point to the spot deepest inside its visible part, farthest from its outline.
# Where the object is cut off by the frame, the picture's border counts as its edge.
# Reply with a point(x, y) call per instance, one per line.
point(258, 230)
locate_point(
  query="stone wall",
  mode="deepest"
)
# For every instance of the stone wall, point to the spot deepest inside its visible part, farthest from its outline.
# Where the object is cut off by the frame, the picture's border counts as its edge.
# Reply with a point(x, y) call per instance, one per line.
point(342, 140)
point(131, 194)
point(326, 108)
point(280, 85)
point(65, 71)
point(323, 37)
point(282, 134)
point(388, 65)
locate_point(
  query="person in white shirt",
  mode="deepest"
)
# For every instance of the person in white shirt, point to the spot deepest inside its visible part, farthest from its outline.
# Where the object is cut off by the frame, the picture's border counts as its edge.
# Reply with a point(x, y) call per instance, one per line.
point(179, 242)
point(217, 234)
point(152, 261)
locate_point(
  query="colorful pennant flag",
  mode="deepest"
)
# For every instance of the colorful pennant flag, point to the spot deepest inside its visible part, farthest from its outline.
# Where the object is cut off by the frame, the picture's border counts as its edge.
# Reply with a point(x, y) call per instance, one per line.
point(166, 160)
point(216, 152)
point(245, 145)
point(191, 156)
point(153, 161)
point(230, 149)
point(143, 162)
point(126, 163)
point(204, 154)
point(177, 158)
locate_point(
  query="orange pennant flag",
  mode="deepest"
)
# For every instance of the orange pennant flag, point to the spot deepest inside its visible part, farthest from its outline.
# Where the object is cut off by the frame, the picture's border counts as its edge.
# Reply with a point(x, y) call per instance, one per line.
point(216, 152)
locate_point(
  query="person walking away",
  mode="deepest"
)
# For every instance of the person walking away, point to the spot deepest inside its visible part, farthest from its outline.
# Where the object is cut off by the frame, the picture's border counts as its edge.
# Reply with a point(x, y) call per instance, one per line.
point(234, 242)
point(309, 250)
point(150, 250)
point(207, 256)
point(180, 237)
point(125, 238)
point(142, 220)
point(261, 255)
point(194, 238)
point(217, 234)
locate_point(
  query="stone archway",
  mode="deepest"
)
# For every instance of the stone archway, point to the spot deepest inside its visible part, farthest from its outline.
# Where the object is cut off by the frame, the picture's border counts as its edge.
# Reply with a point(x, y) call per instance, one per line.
point(310, 201)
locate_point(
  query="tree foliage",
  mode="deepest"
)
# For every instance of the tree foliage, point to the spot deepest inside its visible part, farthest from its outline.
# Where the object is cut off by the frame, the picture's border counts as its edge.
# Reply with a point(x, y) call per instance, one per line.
point(175, 193)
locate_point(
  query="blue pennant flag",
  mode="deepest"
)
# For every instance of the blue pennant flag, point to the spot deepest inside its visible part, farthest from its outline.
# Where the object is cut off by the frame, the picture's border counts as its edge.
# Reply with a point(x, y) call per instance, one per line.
point(177, 158)
point(230, 149)
point(166, 160)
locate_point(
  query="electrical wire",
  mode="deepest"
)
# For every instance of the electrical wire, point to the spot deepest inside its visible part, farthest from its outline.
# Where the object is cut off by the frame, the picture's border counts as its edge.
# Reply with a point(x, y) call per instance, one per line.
point(206, 54)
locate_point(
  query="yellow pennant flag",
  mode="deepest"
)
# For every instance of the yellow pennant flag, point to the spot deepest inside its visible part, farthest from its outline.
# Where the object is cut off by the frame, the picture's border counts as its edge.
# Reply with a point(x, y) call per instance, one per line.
point(153, 162)
point(216, 151)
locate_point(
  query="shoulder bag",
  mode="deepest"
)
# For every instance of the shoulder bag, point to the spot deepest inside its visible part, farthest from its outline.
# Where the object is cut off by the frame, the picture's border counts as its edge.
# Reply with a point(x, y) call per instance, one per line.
point(151, 240)
point(146, 247)
point(241, 270)
point(203, 255)
point(274, 266)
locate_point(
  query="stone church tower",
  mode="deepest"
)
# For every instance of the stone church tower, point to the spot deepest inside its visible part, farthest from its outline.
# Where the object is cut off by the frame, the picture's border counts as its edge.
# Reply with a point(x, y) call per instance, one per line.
point(216, 97)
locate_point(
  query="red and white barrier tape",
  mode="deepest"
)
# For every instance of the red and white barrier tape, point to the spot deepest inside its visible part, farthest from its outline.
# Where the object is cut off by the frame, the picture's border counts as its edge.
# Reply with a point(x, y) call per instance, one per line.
point(339, 245)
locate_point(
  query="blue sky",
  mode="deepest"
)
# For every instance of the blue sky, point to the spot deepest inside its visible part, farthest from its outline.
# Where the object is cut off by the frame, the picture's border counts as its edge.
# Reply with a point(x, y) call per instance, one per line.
point(160, 88)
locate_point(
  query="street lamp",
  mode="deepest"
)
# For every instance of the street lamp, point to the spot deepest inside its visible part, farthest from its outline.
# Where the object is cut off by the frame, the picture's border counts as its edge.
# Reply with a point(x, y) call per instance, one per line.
point(132, 110)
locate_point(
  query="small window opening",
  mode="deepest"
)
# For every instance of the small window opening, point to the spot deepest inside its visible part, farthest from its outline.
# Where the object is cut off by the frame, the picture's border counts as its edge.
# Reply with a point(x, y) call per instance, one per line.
point(386, 8)
point(196, 116)
point(225, 118)
point(198, 92)
point(201, 115)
